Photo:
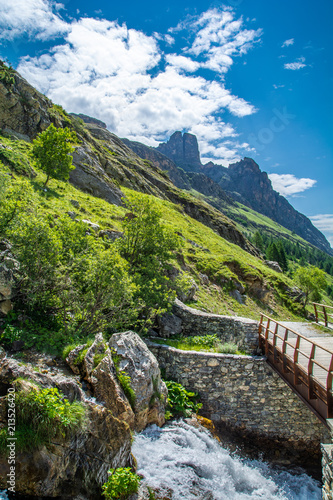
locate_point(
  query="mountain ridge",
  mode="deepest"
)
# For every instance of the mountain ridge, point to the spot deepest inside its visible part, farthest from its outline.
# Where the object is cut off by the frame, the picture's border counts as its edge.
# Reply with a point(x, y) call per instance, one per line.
point(244, 182)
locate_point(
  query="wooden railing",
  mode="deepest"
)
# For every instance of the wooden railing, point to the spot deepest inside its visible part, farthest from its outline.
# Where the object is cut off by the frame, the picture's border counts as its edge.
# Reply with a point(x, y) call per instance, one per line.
point(306, 366)
point(326, 314)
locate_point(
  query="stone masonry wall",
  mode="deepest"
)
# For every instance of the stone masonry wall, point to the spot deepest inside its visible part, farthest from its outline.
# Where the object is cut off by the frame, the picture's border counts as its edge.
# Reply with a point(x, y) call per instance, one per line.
point(187, 321)
point(245, 394)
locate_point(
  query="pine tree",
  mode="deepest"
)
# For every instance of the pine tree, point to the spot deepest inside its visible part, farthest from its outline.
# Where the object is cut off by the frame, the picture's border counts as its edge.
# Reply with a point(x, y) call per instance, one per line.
point(283, 261)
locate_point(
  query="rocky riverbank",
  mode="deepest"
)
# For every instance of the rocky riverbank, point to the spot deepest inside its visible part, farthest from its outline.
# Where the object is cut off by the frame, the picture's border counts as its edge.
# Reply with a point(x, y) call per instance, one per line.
point(119, 385)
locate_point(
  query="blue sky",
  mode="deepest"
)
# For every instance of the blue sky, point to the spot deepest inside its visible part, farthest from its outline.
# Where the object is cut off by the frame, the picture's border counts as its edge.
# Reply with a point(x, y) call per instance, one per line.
point(249, 78)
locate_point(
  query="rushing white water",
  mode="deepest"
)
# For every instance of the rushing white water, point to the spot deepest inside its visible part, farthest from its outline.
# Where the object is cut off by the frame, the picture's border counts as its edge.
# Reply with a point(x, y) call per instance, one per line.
point(191, 464)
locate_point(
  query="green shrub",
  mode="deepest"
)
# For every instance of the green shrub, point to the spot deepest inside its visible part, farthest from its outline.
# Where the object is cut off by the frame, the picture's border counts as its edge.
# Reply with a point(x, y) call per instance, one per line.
point(181, 403)
point(43, 414)
point(52, 151)
point(122, 483)
point(228, 348)
point(148, 245)
point(202, 340)
point(7, 74)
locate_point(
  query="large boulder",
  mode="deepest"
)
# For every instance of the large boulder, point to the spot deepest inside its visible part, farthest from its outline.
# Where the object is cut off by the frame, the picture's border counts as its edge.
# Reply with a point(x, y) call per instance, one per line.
point(94, 364)
point(141, 366)
point(67, 465)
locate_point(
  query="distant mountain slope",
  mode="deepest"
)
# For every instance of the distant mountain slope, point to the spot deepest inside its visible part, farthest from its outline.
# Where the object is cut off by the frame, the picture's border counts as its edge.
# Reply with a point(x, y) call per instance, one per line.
point(247, 184)
point(197, 181)
point(104, 164)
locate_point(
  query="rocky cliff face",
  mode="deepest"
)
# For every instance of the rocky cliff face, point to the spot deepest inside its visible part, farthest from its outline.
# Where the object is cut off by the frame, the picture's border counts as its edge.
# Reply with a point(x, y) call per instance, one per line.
point(183, 180)
point(183, 149)
point(246, 183)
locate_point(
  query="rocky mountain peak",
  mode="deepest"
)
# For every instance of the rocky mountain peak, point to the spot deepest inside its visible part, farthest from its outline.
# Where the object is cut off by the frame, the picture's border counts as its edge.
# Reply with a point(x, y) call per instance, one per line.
point(247, 164)
point(183, 149)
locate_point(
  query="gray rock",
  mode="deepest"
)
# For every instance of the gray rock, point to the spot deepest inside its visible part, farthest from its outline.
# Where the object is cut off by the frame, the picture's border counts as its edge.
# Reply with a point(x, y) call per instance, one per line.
point(204, 279)
point(111, 235)
point(75, 203)
point(187, 295)
point(68, 465)
point(169, 325)
point(273, 265)
point(237, 296)
point(92, 178)
point(93, 226)
point(142, 367)
point(72, 215)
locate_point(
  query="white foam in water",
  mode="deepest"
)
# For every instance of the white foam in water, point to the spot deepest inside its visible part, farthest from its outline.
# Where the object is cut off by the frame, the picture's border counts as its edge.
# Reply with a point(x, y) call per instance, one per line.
point(191, 463)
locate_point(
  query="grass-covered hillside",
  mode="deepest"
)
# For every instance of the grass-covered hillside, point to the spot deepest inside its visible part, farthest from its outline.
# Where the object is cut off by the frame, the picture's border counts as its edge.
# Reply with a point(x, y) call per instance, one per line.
point(81, 264)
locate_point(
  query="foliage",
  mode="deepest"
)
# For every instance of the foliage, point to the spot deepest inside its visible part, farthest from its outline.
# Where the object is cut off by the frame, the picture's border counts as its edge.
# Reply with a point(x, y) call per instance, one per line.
point(209, 343)
point(7, 74)
point(83, 284)
point(43, 414)
point(181, 403)
point(52, 151)
point(15, 160)
point(312, 281)
point(14, 200)
point(148, 246)
point(121, 483)
point(228, 348)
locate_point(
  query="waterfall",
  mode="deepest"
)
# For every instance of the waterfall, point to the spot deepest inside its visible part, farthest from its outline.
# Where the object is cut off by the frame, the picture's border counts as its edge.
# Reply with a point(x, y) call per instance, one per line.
point(188, 463)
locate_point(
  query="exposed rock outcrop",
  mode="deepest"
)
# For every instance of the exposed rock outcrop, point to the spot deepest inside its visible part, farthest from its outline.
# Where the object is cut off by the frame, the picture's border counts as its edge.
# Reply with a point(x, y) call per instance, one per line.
point(95, 365)
point(183, 149)
point(136, 360)
point(23, 109)
point(70, 465)
point(90, 119)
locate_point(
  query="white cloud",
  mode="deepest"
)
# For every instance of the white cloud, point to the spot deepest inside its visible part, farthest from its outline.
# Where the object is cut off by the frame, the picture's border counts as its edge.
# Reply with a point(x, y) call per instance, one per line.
point(32, 18)
point(137, 84)
point(324, 222)
point(182, 62)
point(289, 42)
point(289, 185)
point(219, 37)
point(278, 86)
point(298, 64)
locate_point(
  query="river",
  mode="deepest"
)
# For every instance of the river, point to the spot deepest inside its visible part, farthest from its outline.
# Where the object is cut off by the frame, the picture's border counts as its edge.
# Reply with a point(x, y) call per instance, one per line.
point(187, 463)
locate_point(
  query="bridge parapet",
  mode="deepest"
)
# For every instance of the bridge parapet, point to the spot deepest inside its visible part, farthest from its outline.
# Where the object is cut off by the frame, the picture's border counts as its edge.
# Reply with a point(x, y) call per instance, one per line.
point(304, 363)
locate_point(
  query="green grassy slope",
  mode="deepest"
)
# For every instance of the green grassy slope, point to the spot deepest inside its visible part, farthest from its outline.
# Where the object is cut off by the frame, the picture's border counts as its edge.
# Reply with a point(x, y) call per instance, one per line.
point(205, 252)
